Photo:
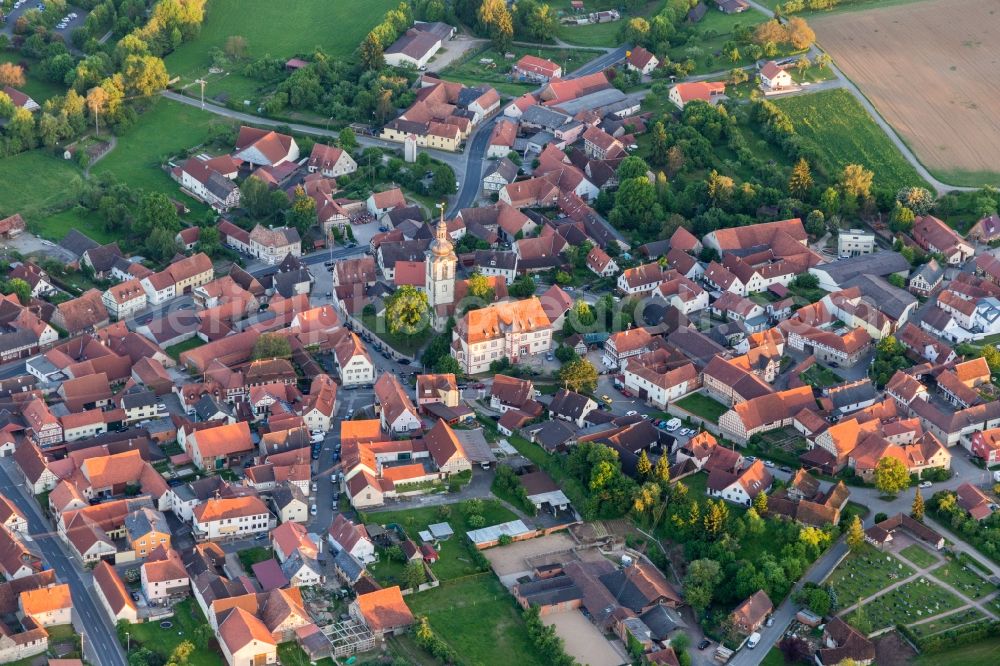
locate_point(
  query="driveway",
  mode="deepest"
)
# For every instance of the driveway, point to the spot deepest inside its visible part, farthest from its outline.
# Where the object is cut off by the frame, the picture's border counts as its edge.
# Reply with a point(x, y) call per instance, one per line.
point(453, 50)
point(584, 641)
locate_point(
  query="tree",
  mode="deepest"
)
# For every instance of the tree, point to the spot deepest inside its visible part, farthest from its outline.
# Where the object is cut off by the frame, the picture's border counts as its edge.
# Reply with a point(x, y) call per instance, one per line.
point(799, 34)
point(901, 218)
point(822, 60)
point(11, 75)
point(272, 345)
point(647, 499)
point(856, 181)
point(347, 140)
point(659, 144)
point(738, 75)
point(480, 287)
point(414, 574)
point(255, 198)
point(145, 75)
point(643, 467)
point(541, 22)
point(891, 476)
point(19, 288)
point(855, 534)
point(406, 310)
point(917, 199)
point(371, 53)
point(448, 365)
point(302, 213)
point(760, 503)
point(161, 244)
point(992, 356)
point(202, 635)
point(632, 167)
point(917, 510)
point(800, 183)
point(496, 18)
point(819, 601)
point(181, 654)
point(802, 64)
point(715, 519)
point(579, 375)
point(700, 582)
point(815, 222)
point(97, 101)
point(155, 212)
point(796, 650)
point(236, 47)
point(661, 472)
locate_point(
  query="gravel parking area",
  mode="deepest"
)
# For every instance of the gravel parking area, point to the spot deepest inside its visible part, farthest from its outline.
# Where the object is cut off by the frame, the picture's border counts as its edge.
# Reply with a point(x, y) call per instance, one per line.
point(584, 641)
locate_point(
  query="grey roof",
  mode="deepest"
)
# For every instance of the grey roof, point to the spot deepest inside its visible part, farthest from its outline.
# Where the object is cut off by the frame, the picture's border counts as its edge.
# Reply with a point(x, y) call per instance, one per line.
point(568, 403)
point(20, 338)
point(504, 261)
point(415, 43)
point(442, 30)
point(220, 186)
point(296, 561)
point(398, 215)
point(544, 116)
point(144, 521)
point(931, 272)
point(541, 138)
point(550, 434)
point(208, 406)
point(880, 263)
point(285, 283)
point(201, 490)
point(103, 257)
point(349, 566)
point(598, 100)
point(504, 168)
point(135, 398)
point(891, 300)
point(859, 392)
point(287, 493)
point(77, 243)
point(414, 250)
point(662, 621)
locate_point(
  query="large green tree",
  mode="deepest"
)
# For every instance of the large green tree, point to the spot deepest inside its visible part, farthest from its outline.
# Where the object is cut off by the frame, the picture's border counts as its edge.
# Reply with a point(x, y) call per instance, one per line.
point(891, 476)
point(579, 375)
point(406, 310)
point(272, 345)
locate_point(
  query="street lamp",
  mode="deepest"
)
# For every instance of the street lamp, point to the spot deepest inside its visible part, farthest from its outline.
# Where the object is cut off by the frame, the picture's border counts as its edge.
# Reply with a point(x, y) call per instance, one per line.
point(128, 642)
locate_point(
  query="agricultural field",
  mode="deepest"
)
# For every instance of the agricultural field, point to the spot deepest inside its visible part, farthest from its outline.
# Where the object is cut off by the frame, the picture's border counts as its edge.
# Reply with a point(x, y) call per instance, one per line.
point(899, 55)
point(906, 604)
point(840, 129)
point(272, 28)
point(479, 619)
point(471, 71)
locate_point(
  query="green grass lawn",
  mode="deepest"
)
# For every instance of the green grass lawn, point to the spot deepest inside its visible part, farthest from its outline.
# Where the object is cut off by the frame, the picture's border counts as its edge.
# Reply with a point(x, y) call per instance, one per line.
point(56, 226)
point(45, 183)
point(478, 618)
point(272, 28)
point(175, 351)
point(907, 604)
point(839, 128)
point(536, 454)
point(187, 616)
point(471, 72)
point(701, 405)
point(290, 654)
point(963, 579)
point(773, 658)
point(918, 555)
point(975, 654)
point(454, 561)
point(165, 130)
point(864, 573)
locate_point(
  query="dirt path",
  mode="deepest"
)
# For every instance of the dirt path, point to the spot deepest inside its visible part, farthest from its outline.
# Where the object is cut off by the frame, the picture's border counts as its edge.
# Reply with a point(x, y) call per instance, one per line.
point(113, 140)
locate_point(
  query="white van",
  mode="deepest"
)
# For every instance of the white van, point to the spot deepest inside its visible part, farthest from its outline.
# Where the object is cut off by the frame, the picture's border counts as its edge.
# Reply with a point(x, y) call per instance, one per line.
point(673, 424)
point(753, 640)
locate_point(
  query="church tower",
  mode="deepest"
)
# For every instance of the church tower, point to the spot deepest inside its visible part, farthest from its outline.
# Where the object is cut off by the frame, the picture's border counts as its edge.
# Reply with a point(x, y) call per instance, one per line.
point(439, 280)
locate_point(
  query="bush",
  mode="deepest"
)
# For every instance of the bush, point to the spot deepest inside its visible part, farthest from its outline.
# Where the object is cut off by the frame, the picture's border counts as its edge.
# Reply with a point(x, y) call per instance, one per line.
point(476, 521)
point(879, 517)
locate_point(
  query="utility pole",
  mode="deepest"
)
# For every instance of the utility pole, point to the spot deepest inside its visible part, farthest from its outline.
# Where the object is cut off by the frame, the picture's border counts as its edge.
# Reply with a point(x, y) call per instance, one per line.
point(202, 82)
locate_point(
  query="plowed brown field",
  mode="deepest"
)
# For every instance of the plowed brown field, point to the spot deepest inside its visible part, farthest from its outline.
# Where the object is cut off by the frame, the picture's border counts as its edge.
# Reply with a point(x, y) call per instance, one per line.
point(932, 69)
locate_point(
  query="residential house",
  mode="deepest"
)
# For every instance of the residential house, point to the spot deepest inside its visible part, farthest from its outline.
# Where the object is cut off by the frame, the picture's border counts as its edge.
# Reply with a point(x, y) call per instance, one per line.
point(344, 535)
point(437, 389)
point(210, 181)
point(749, 616)
point(396, 411)
point(927, 278)
point(231, 518)
point(600, 263)
point(642, 61)
point(774, 77)
point(510, 393)
point(330, 161)
point(624, 344)
point(124, 299)
point(536, 69)
point(220, 446)
point(163, 575)
point(259, 147)
point(933, 235)
point(501, 143)
point(571, 406)
point(384, 612)
point(704, 91)
point(113, 595)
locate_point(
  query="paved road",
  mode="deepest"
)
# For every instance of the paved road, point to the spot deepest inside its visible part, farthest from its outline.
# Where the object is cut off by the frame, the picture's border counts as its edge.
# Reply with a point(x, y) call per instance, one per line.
point(601, 62)
point(99, 634)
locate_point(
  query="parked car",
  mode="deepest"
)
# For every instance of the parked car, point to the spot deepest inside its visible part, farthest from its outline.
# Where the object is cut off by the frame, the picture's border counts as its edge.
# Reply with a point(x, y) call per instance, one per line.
point(768, 463)
point(753, 640)
point(312, 510)
point(925, 484)
point(704, 643)
point(606, 398)
point(631, 412)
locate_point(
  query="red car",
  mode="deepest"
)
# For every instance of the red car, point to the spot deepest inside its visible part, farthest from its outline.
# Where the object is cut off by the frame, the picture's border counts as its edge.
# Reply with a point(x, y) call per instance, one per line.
point(626, 393)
